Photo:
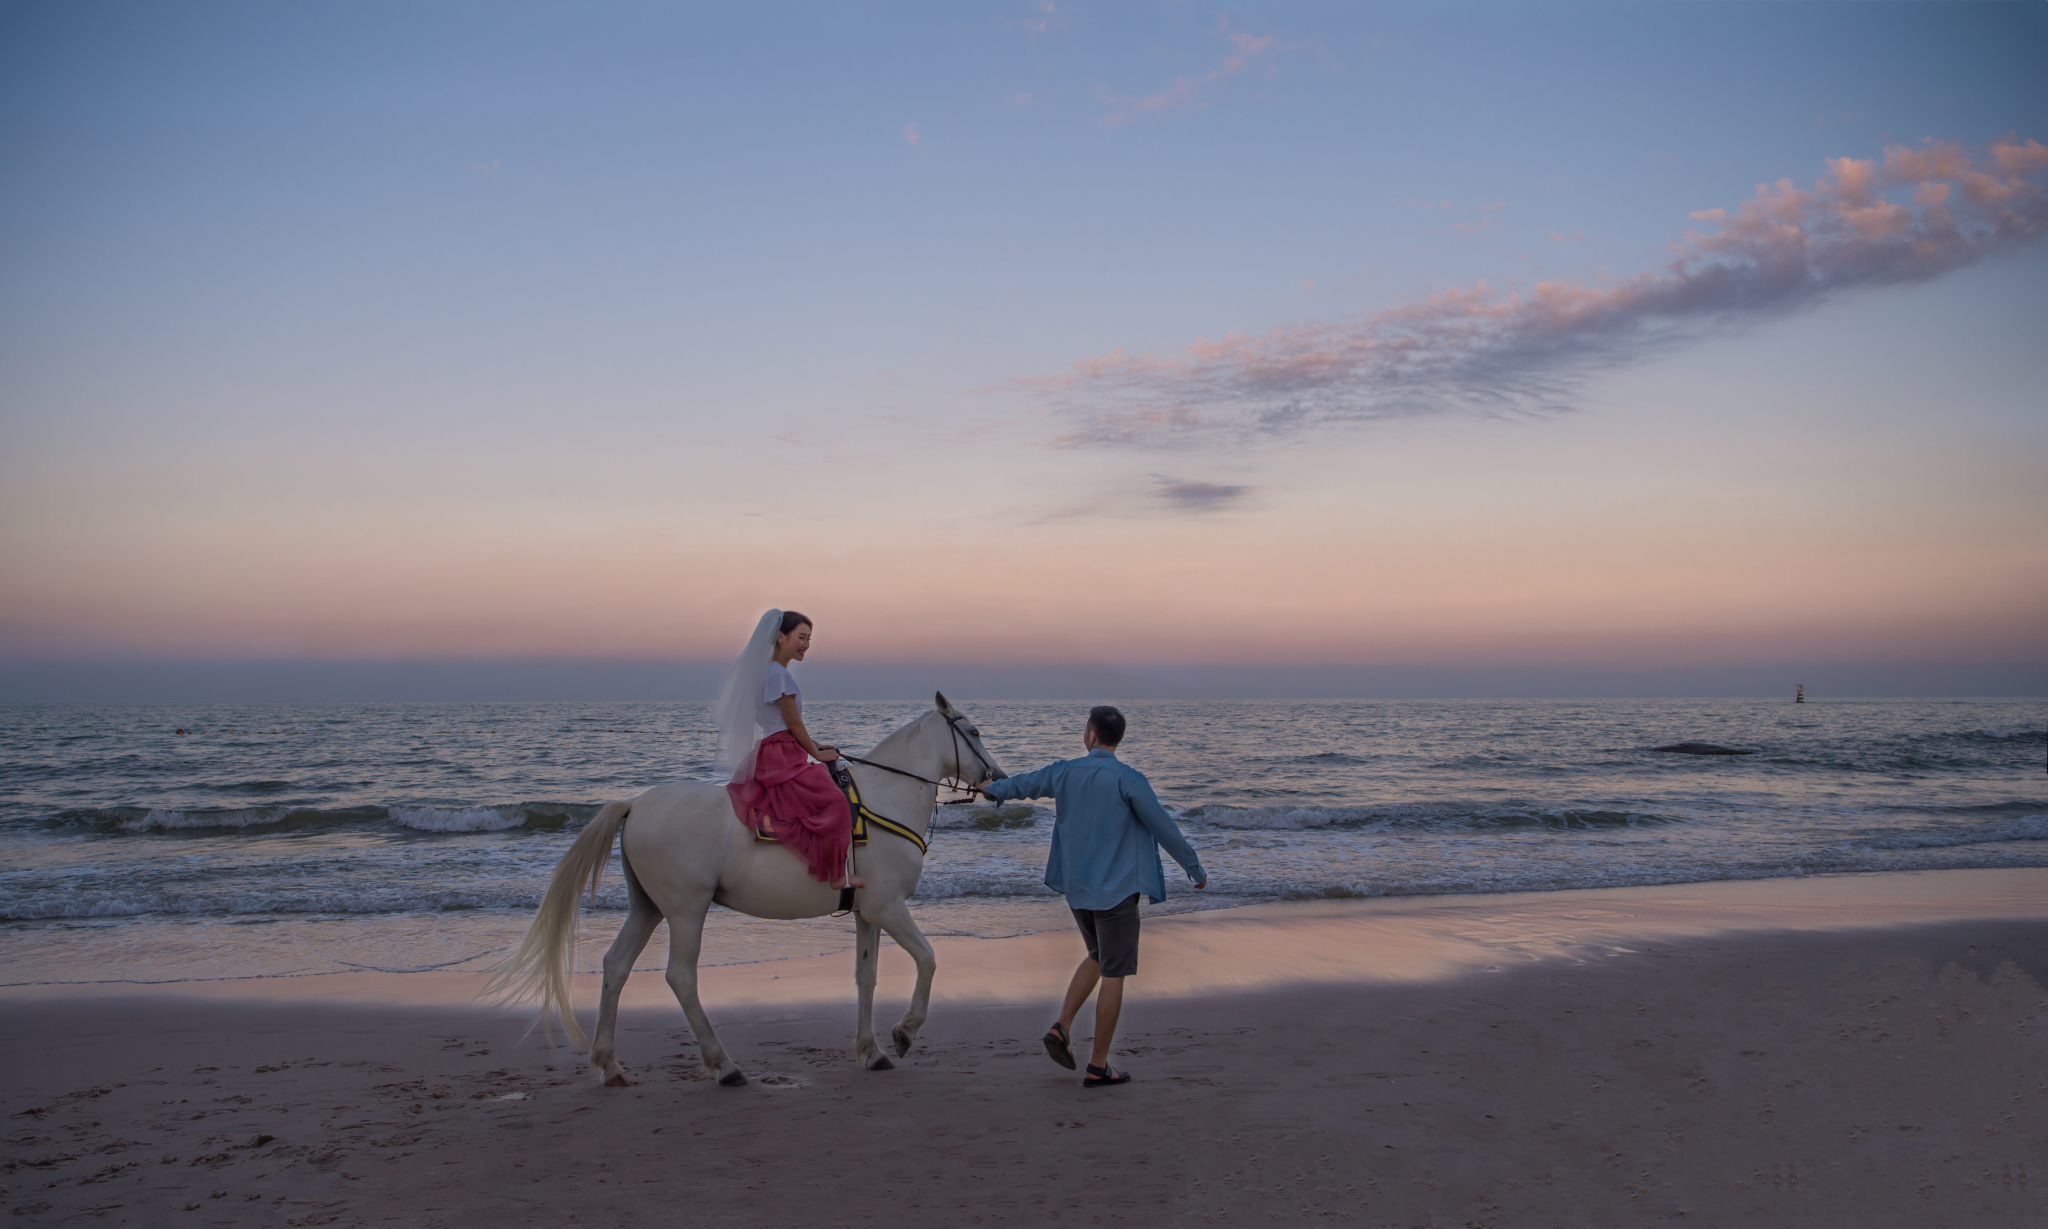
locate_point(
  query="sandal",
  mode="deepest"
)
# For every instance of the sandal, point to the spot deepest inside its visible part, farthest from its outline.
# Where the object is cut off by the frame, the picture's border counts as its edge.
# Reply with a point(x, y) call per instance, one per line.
point(1059, 1045)
point(1103, 1077)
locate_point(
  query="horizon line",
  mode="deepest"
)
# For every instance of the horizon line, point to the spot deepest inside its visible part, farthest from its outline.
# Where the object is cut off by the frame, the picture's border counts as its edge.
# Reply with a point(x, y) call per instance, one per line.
point(625, 680)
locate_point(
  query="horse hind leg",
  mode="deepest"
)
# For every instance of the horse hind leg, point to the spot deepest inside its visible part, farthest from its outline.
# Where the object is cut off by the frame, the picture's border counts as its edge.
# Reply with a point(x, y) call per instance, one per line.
point(685, 941)
point(641, 919)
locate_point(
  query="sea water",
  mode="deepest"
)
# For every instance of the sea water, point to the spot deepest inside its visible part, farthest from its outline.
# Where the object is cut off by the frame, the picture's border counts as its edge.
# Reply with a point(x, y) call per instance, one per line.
point(165, 843)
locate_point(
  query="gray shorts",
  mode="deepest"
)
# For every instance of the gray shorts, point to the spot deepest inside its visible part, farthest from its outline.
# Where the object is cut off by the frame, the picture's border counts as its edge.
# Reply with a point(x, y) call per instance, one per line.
point(1112, 936)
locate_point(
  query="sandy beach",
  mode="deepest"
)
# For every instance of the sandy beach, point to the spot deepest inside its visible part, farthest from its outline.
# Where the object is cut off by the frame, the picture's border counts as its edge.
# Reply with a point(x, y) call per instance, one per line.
point(1838, 1050)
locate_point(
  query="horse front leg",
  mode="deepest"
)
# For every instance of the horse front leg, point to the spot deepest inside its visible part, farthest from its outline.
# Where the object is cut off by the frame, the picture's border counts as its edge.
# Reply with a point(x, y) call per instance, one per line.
point(866, 939)
point(903, 928)
point(685, 940)
point(641, 920)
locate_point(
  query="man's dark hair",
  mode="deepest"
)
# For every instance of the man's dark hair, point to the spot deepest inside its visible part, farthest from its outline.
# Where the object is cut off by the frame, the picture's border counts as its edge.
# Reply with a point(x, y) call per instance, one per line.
point(1107, 723)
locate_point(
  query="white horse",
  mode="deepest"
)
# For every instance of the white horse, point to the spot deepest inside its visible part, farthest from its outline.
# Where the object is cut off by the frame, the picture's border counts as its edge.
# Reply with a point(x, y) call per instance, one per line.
point(685, 850)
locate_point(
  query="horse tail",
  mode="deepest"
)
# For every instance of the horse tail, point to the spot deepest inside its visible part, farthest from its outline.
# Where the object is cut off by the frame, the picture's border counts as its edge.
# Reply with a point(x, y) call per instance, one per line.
point(541, 965)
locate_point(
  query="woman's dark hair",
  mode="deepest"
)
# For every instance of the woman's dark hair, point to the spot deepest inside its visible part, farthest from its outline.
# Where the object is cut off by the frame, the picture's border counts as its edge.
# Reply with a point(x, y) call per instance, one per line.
point(791, 620)
point(1107, 723)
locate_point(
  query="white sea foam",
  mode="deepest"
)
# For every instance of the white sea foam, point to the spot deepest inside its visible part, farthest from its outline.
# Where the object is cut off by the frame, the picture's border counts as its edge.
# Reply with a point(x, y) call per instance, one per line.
point(469, 819)
point(26, 906)
point(31, 905)
point(2024, 828)
point(1277, 817)
point(984, 816)
point(161, 820)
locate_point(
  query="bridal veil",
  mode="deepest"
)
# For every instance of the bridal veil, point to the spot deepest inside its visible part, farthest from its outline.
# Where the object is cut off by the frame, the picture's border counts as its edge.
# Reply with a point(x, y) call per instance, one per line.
point(739, 702)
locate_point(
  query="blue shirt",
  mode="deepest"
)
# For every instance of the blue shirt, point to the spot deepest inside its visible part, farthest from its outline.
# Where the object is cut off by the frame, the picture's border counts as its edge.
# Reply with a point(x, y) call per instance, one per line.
point(1107, 830)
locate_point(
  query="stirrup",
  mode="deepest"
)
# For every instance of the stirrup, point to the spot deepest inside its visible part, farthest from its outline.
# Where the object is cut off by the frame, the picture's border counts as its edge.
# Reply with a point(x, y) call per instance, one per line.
point(845, 901)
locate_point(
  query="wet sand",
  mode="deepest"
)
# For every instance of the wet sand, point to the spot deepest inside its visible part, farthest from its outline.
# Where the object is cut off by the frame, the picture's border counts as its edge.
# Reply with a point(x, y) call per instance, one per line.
point(1842, 1050)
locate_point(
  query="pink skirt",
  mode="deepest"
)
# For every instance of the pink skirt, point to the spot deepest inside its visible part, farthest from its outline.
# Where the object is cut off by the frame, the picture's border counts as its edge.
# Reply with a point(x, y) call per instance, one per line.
point(794, 800)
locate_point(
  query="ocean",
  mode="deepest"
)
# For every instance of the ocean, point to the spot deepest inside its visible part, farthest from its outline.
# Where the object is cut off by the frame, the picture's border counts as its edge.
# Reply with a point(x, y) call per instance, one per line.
point(160, 843)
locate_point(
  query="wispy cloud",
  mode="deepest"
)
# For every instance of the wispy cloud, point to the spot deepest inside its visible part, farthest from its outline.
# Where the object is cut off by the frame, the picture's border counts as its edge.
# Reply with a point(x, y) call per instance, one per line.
point(1911, 216)
point(1164, 496)
point(1197, 496)
point(1184, 90)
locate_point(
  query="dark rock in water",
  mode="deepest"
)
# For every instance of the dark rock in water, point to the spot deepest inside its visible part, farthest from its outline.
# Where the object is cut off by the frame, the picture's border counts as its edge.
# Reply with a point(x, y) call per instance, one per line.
point(1701, 749)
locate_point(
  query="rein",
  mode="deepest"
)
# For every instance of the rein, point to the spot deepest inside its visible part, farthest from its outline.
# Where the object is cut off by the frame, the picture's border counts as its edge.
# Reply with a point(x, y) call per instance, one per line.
point(953, 728)
point(854, 759)
point(864, 814)
point(844, 780)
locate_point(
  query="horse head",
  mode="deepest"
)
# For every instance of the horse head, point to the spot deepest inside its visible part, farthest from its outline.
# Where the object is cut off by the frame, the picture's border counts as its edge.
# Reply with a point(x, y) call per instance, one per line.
point(964, 756)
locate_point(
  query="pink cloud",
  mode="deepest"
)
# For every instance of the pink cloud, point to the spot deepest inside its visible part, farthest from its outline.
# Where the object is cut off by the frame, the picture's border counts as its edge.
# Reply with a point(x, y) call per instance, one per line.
point(1183, 89)
point(1915, 215)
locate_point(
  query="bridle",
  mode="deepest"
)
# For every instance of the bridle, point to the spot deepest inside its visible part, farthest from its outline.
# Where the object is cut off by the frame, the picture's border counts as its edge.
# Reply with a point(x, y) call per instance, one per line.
point(844, 779)
point(959, 736)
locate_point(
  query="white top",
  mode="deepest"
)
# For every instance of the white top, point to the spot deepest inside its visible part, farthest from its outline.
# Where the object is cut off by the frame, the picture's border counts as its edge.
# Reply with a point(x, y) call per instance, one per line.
point(776, 683)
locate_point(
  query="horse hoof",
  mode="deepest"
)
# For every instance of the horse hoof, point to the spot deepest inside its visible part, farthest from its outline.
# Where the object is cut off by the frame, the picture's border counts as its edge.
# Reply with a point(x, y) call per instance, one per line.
point(732, 1079)
point(882, 1063)
point(618, 1081)
point(903, 1042)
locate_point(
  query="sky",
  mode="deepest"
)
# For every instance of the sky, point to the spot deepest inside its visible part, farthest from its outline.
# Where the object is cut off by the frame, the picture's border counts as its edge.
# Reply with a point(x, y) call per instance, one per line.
point(1463, 349)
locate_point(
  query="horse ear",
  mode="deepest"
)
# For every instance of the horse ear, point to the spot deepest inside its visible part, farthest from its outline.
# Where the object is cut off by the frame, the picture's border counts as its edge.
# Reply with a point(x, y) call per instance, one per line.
point(939, 698)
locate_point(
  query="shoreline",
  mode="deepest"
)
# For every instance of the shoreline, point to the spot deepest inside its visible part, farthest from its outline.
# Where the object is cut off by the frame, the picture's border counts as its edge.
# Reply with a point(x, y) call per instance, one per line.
point(734, 941)
point(1771, 1050)
point(1461, 932)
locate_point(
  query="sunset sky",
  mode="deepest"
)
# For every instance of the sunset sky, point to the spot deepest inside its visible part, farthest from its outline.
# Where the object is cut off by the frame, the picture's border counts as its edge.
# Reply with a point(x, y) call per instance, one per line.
point(1533, 337)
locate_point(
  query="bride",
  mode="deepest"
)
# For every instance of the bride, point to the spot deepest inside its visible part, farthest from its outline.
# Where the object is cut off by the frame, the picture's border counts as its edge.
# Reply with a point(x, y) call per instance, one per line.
point(776, 790)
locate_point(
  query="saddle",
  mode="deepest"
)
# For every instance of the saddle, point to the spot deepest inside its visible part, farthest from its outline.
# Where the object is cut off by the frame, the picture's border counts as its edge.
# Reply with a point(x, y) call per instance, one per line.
point(863, 819)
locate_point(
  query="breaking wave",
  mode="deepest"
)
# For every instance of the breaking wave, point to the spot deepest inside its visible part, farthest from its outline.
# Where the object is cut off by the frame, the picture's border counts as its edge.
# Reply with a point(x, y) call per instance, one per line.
point(469, 819)
point(2023, 828)
point(223, 820)
point(36, 906)
point(158, 820)
point(1441, 815)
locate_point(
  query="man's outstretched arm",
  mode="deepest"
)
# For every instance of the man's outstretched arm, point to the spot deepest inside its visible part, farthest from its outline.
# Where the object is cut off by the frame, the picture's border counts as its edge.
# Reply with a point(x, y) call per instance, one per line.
point(1145, 805)
point(1037, 784)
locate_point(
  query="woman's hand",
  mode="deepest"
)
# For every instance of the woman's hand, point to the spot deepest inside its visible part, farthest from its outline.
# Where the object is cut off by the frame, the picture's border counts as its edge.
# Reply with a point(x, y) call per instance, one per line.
point(826, 752)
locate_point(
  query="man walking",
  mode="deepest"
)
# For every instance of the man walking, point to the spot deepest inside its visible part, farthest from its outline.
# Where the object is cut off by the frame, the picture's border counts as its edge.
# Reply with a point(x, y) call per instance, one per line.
point(1106, 835)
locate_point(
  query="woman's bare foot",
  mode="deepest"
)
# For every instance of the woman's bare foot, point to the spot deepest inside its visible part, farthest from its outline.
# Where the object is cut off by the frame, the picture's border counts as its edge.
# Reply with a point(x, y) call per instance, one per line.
point(851, 881)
